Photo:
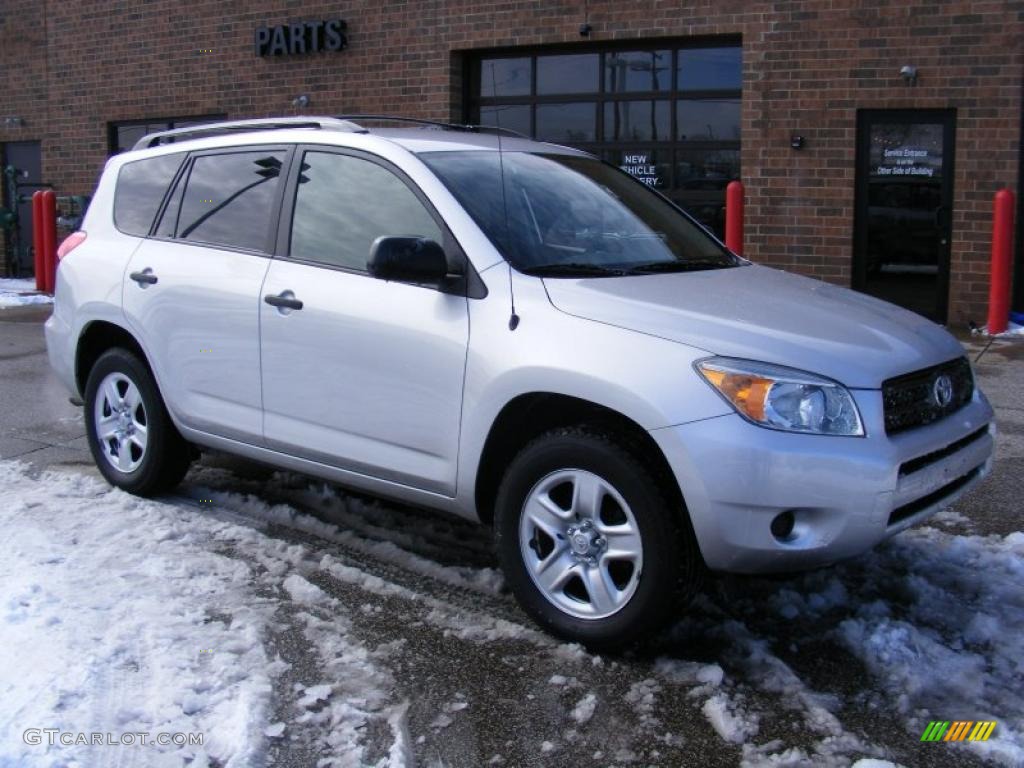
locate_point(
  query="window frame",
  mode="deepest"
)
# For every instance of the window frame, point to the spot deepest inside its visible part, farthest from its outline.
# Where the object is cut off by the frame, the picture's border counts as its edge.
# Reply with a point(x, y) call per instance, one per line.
point(185, 174)
point(470, 285)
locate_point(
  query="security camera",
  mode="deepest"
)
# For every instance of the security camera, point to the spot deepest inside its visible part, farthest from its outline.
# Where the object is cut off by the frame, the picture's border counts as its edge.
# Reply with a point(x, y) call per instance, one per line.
point(301, 101)
point(908, 73)
point(585, 30)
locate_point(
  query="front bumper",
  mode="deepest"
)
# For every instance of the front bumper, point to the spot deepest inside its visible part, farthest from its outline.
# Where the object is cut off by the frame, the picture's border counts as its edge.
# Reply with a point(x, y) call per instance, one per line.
point(846, 493)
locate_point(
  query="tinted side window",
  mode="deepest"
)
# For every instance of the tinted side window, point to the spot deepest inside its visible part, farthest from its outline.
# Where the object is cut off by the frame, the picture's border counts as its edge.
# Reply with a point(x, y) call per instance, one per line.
point(229, 199)
point(140, 190)
point(344, 203)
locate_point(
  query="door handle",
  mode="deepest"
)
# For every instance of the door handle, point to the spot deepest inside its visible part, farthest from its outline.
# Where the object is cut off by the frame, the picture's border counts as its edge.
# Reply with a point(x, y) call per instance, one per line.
point(284, 300)
point(144, 278)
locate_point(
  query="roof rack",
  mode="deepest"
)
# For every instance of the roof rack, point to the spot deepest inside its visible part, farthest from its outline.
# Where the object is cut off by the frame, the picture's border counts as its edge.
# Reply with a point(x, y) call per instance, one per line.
point(435, 124)
point(262, 124)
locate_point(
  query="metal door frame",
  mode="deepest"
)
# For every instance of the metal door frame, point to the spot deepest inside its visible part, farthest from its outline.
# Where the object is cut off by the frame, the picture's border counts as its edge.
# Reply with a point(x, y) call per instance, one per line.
point(865, 117)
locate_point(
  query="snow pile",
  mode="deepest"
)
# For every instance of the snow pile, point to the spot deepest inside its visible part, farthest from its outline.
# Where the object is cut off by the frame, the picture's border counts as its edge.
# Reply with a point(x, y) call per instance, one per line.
point(19, 293)
point(953, 647)
point(121, 615)
point(584, 709)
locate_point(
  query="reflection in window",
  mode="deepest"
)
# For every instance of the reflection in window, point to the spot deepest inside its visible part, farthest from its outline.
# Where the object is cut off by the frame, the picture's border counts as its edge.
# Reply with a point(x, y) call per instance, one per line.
point(575, 73)
point(515, 117)
point(505, 77)
point(344, 203)
point(141, 187)
point(708, 169)
point(710, 69)
point(229, 199)
point(637, 121)
point(638, 71)
point(566, 122)
point(708, 120)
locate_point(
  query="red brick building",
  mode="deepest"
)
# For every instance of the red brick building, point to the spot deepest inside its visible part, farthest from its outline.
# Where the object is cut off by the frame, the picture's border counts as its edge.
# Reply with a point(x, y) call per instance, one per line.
point(871, 136)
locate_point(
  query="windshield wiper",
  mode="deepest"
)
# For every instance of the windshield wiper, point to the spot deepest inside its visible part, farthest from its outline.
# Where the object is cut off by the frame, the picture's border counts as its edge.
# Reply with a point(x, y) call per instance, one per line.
point(574, 268)
point(676, 266)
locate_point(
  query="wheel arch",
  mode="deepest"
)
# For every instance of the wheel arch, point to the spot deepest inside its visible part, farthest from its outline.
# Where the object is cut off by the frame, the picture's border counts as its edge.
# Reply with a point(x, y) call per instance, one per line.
point(95, 338)
point(530, 415)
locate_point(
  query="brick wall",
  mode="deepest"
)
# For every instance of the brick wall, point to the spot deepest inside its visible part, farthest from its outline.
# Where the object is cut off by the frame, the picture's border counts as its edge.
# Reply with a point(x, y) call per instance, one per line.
point(808, 66)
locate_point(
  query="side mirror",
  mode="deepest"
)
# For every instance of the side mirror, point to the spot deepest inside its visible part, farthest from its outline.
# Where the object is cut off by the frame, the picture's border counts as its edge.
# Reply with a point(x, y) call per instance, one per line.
point(407, 260)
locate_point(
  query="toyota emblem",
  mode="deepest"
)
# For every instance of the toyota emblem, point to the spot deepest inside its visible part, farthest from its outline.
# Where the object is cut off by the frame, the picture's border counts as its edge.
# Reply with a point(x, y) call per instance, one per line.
point(942, 390)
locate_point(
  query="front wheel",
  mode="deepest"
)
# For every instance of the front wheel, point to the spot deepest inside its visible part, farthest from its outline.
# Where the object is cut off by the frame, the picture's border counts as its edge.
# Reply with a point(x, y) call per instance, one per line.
point(133, 441)
point(591, 546)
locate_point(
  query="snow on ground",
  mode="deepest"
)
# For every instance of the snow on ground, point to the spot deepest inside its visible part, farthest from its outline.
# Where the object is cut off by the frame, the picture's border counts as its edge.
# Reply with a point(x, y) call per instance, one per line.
point(936, 620)
point(109, 605)
point(120, 615)
point(16, 292)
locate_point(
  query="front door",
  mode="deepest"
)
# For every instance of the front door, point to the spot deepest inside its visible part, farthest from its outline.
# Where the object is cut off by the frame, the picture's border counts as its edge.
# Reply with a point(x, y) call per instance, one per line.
point(904, 207)
point(360, 373)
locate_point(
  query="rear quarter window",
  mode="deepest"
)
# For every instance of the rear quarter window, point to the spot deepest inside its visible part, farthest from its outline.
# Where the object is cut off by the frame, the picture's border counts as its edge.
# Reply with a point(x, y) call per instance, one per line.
point(141, 186)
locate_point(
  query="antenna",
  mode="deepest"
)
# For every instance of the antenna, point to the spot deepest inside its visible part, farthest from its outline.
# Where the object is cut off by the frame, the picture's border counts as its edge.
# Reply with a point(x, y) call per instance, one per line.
point(513, 320)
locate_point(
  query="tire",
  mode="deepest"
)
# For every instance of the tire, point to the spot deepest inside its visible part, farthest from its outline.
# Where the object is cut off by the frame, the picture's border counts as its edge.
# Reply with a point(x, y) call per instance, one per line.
point(139, 450)
point(600, 585)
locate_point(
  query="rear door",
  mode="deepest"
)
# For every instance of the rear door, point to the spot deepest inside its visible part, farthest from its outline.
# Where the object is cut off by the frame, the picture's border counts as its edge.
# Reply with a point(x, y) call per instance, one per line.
point(367, 375)
point(192, 289)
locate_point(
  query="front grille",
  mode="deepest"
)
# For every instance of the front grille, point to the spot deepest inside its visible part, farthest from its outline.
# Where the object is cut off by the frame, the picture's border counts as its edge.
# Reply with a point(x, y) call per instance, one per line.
point(910, 401)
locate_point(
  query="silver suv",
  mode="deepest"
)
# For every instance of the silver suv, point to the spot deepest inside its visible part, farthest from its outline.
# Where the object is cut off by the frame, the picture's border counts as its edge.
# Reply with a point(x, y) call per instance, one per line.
point(511, 331)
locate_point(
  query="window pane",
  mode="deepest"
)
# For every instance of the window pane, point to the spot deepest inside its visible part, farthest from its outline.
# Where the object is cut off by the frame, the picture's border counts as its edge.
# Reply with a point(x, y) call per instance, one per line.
point(706, 169)
point(651, 166)
point(230, 198)
point(708, 120)
point(566, 209)
point(706, 69)
point(637, 121)
point(504, 77)
point(566, 123)
point(638, 71)
point(140, 190)
point(344, 203)
point(516, 117)
point(575, 73)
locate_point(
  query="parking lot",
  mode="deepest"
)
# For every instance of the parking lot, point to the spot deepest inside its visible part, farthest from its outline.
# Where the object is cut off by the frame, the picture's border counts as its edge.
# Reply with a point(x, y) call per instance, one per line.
point(330, 626)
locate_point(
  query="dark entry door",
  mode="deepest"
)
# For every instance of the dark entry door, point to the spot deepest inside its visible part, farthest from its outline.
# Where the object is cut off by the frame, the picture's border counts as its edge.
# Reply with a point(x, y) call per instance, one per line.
point(904, 207)
point(22, 164)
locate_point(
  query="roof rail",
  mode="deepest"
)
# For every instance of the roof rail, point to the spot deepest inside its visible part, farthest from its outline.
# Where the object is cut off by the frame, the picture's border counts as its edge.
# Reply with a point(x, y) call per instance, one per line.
point(261, 124)
point(435, 124)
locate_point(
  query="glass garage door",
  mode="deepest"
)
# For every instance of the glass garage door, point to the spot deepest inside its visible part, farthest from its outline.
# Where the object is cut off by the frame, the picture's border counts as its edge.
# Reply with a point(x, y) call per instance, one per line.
point(668, 114)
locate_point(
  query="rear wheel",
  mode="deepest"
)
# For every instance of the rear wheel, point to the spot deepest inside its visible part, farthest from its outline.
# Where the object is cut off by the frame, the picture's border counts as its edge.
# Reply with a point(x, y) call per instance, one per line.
point(589, 542)
point(132, 439)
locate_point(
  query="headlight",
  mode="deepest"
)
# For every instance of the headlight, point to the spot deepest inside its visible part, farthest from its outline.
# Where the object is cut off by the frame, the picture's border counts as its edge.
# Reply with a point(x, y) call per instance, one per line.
point(782, 398)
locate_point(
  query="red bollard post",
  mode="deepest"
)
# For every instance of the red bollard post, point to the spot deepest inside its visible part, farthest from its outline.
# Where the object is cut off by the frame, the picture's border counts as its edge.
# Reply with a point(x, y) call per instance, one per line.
point(734, 216)
point(37, 239)
point(1002, 240)
point(49, 206)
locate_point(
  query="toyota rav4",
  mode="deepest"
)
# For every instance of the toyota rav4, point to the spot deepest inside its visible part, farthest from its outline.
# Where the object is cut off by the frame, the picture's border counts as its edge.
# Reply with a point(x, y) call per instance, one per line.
point(511, 331)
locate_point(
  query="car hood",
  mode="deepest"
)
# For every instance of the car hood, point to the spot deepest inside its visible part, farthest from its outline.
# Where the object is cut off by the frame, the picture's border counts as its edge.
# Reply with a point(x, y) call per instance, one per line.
point(764, 314)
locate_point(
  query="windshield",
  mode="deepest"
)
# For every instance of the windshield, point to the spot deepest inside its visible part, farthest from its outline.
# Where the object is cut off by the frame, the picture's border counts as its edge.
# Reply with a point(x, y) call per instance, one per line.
point(572, 215)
